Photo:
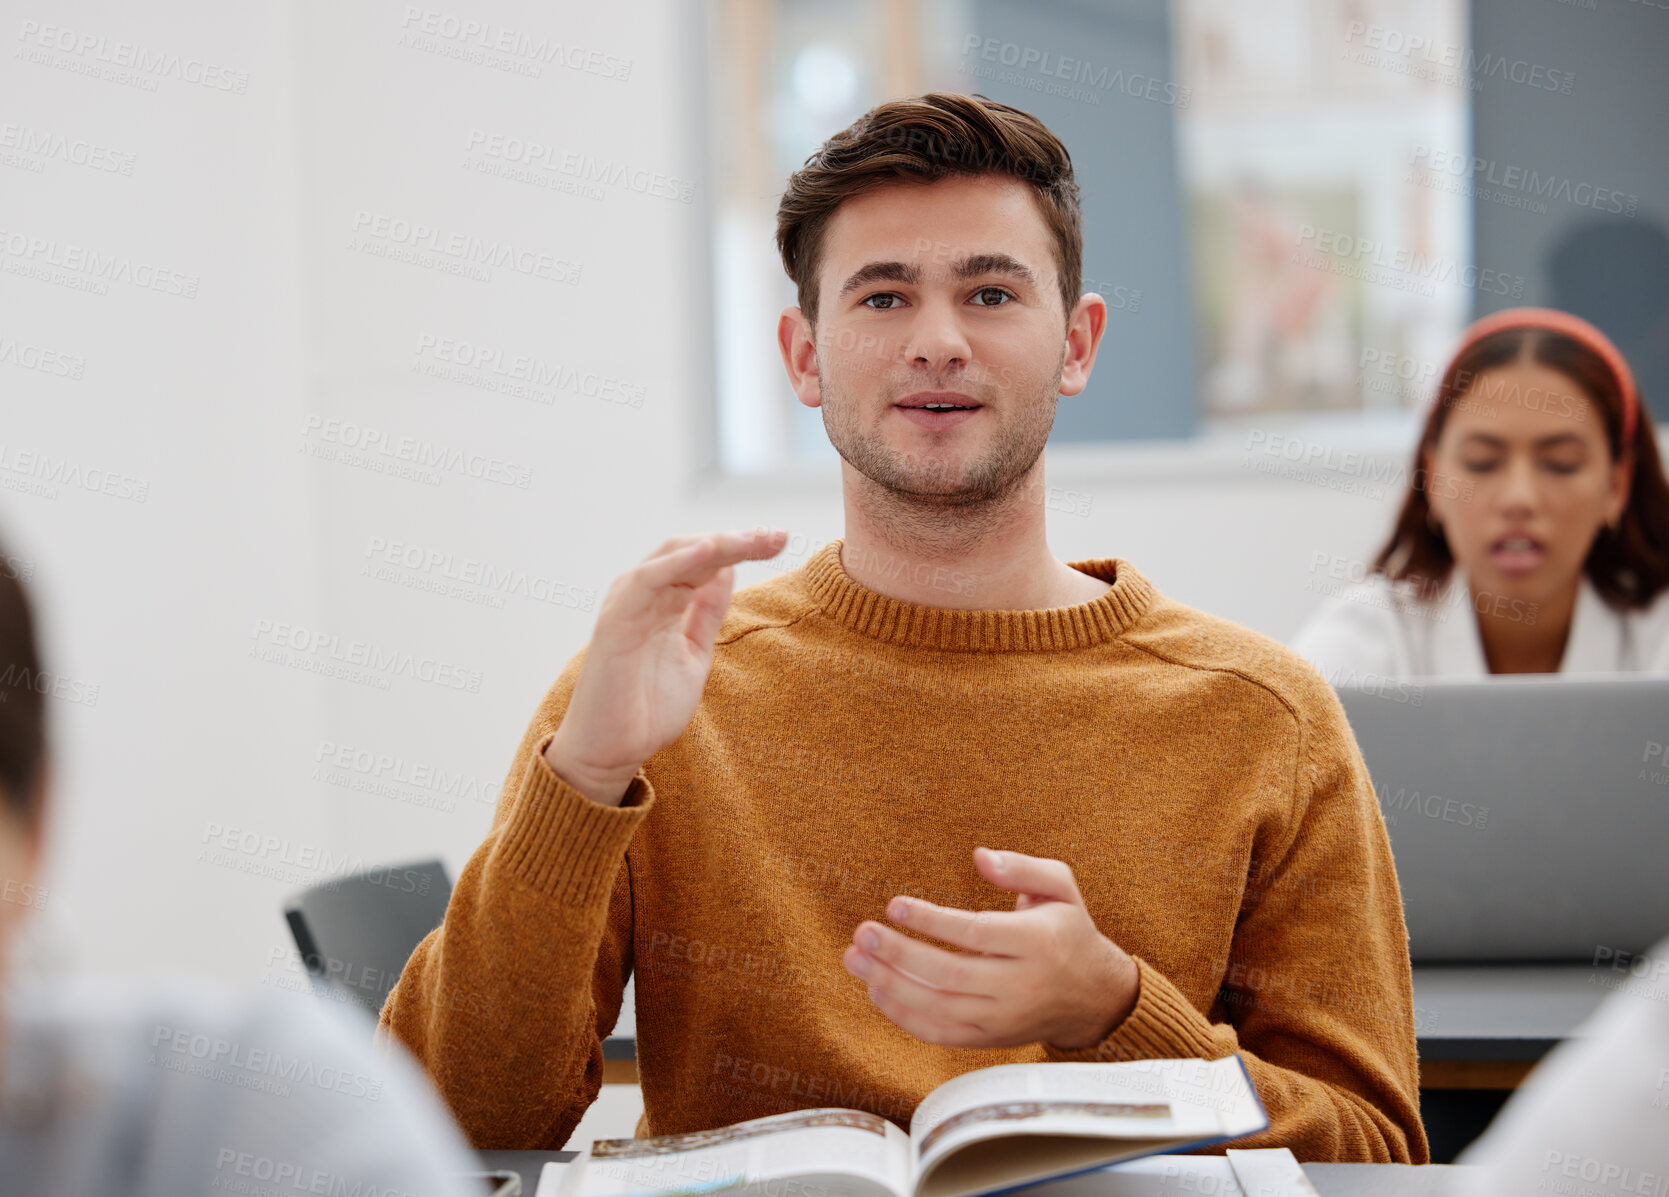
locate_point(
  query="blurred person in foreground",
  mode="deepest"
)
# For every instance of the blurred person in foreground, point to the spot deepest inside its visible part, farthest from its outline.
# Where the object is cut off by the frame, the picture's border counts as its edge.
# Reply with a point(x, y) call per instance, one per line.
point(1593, 1117)
point(183, 1089)
point(934, 800)
point(1534, 537)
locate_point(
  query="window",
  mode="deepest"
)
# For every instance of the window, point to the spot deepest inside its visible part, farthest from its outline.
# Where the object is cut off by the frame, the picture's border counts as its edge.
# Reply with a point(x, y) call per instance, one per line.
point(1330, 250)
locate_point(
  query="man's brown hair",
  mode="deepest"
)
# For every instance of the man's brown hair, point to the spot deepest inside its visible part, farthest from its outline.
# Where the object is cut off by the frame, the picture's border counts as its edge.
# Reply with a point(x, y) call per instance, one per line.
point(936, 136)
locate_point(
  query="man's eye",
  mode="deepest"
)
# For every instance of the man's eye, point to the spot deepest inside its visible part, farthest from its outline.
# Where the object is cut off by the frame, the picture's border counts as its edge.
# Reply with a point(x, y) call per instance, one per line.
point(985, 292)
point(890, 298)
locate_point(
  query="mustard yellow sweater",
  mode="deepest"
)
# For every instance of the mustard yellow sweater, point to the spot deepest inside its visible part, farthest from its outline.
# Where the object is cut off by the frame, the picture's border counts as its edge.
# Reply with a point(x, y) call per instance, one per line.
point(1200, 779)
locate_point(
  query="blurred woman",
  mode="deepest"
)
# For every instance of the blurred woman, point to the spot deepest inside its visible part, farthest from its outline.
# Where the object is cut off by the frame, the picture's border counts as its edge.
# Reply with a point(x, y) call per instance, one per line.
point(184, 1089)
point(1534, 536)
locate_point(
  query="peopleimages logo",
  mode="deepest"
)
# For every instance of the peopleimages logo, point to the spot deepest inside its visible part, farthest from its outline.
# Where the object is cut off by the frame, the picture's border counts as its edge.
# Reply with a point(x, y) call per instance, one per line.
point(413, 236)
point(1416, 50)
point(1347, 470)
point(238, 1063)
point(1372, 256)
point(488, 44)
point(1045, 63)
point(42, 145)
point(147, 65)
point(1483, 174)
point(52, 685)
point(419, 783)
point(1654, 763)
point(519, 374)
point(34, 256)
point(34, 472)
point(492, 579)
point(377, 449)
point(584, 168)
point(1431, 806)
point(40, 359)
point(353, 659)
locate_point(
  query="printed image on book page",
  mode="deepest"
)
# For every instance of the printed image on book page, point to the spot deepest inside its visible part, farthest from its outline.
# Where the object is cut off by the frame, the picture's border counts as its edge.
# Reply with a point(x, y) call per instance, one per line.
point(844, 1153)
point(1003, 1126)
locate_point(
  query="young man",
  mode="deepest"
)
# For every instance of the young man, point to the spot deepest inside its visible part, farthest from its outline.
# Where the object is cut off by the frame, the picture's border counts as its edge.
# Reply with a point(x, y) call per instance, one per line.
point(779, 811)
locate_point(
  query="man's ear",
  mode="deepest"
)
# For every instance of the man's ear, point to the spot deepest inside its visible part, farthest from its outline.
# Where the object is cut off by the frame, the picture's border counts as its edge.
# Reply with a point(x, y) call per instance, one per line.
point(796, 340)
point(1083, 338)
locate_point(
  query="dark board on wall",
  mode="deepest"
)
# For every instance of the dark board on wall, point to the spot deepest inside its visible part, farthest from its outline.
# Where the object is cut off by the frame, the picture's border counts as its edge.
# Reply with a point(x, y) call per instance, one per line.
point(1100, 75)
point(1572, 181)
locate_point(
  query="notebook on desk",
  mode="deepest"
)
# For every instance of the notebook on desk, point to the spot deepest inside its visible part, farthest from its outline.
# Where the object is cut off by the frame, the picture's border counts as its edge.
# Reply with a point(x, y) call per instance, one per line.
point(1528, 815)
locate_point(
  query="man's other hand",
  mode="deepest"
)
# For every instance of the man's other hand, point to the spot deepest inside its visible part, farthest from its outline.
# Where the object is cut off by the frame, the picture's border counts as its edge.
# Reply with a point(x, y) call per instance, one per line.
point(1041, 973)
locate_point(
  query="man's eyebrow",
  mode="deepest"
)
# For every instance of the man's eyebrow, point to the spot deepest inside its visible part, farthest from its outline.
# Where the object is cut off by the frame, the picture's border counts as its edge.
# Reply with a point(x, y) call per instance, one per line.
point(881, 272)
point(963, 269)
point(995, 264)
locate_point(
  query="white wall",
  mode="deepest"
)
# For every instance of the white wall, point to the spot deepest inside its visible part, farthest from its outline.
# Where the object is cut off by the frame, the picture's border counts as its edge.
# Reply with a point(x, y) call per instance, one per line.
point(187, 408)
point(297, 324)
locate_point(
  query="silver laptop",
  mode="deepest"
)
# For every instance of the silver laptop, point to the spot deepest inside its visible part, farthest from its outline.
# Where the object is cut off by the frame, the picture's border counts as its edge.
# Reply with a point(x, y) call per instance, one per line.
point(1529, 816)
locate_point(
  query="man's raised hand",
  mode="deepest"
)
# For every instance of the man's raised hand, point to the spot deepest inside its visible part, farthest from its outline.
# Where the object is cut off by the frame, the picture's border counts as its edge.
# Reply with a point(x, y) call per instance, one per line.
point(648, 659)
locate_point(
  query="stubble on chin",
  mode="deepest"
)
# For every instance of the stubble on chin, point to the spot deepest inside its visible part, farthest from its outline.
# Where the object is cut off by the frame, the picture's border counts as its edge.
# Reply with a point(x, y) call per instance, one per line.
point(941, 490)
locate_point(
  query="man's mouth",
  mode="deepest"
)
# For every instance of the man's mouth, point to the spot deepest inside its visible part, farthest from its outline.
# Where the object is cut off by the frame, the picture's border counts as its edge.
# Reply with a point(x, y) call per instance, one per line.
point(938, 410)
point(940, 403)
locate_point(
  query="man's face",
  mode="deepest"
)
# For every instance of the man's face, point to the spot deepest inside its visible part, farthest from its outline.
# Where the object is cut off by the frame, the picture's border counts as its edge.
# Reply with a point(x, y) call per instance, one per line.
point(938, 293)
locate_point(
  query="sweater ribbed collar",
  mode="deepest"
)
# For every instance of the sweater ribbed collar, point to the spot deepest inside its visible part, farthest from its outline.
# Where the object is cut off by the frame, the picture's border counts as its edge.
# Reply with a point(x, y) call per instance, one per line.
point(897, 622)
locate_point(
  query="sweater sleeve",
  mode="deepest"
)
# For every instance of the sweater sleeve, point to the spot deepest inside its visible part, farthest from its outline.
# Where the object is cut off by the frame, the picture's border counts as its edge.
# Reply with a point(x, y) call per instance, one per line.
point(1317, 990)
point(507, 1002)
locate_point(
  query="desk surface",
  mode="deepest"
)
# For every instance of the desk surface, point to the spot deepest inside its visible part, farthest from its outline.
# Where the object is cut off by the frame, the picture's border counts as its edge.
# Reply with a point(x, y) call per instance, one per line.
point(1503, 1011)
point(1156, 1175)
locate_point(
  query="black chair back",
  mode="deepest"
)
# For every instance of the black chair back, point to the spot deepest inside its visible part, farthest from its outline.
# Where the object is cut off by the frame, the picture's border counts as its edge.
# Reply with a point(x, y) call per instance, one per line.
point(356, 933)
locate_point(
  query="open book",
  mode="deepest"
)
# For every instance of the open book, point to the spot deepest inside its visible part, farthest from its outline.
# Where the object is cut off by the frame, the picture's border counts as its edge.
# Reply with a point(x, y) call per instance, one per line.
point(980, 1133)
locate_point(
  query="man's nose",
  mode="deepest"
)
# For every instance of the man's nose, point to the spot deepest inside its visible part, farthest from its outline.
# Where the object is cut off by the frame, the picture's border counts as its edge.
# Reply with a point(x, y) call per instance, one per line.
point(937, 338)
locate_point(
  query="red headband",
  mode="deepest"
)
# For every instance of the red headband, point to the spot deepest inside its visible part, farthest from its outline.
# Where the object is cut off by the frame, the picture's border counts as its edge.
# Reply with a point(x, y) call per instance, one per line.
point(1577, 329)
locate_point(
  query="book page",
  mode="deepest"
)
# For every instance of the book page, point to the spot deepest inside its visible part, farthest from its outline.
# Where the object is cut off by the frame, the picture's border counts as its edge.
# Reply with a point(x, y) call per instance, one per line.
point(803, 1153)
point(994, 1165)
point(1153, 1101)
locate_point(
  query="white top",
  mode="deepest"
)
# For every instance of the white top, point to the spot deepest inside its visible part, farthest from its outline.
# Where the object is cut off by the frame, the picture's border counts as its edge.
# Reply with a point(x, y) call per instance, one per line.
point(196, 1090)
point(1379, 629)
point(1594, 1115)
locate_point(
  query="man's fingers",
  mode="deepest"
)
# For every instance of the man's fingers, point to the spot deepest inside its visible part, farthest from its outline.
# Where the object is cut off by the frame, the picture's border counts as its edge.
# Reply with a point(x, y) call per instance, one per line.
point(927, 1028)
point(673, 543)
point(951, 972)
point(1022, 874)
point(698, 559)
point(911, 994)
point(707, 612)
point(994, 932)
